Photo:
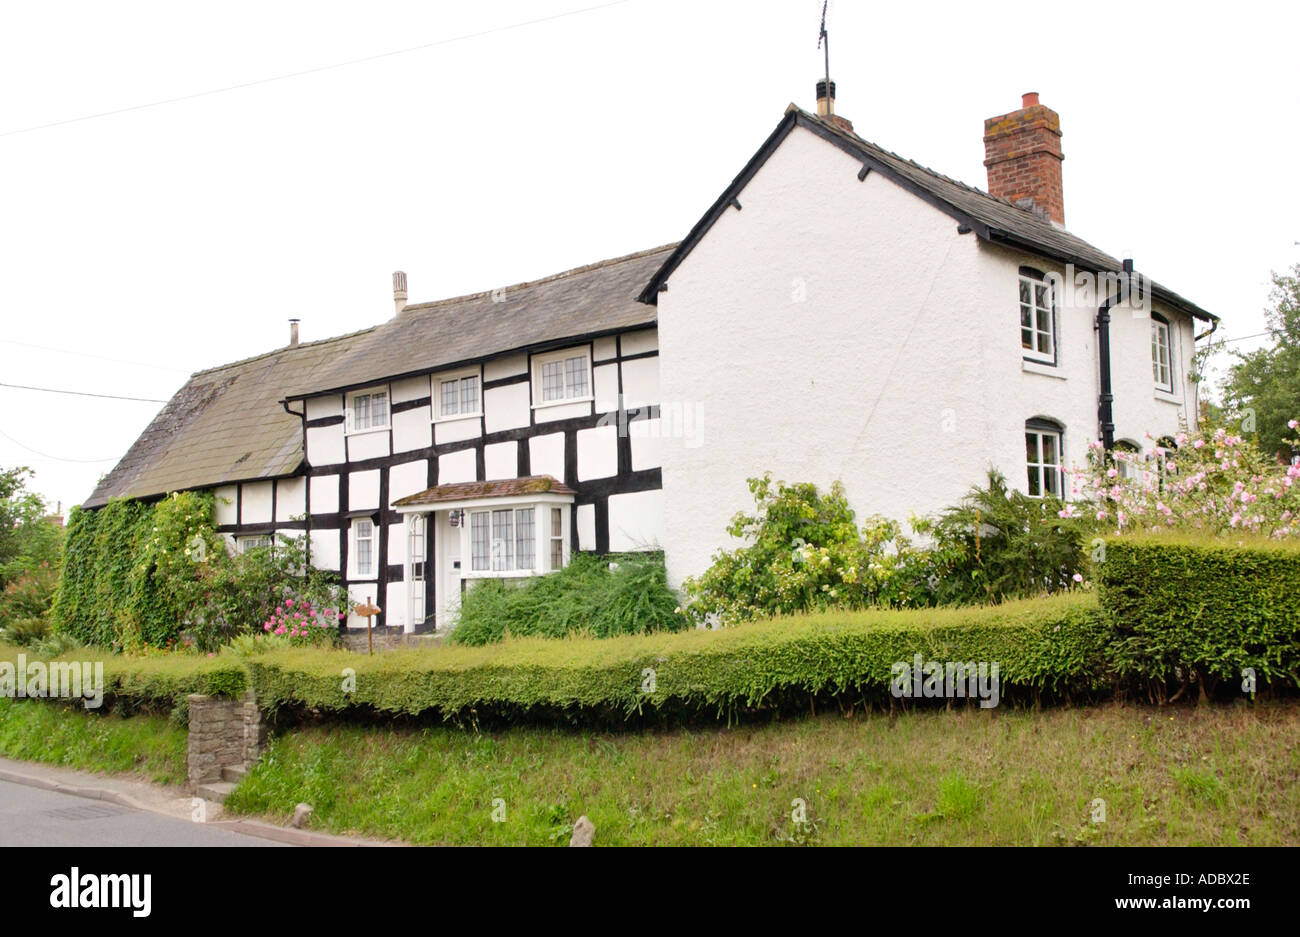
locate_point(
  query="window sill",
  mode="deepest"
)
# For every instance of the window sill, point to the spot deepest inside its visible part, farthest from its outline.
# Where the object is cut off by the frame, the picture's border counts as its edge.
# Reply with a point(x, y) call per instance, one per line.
point(1166, 396)
point(560, 403)
point(1041, 367)
point(501, 574)
point(458, 418)
point(366, 432)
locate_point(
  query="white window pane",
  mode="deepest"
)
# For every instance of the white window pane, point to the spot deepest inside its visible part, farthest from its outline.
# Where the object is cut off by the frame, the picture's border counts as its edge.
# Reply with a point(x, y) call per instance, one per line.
point(525, 539)
point(480, 541)
point(378, 409)
point(553, 380)
point(450, 406)
point(575, 376)
point(469, 394)
point(361, 411)
point(503, 541)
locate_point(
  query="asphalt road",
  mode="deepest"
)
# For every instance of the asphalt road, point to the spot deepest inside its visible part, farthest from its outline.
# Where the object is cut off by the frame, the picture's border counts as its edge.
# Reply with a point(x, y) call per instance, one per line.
point(30, 816)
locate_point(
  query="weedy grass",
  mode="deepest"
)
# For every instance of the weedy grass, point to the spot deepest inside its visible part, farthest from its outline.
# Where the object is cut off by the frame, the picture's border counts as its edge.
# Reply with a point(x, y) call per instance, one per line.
point(1168, 776)
point(68, 735)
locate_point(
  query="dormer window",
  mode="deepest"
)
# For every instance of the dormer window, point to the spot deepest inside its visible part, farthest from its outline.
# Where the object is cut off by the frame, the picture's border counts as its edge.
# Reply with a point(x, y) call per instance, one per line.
point(1037, 317)
point(367, 410)
point(561, 377)
point(1162, 369)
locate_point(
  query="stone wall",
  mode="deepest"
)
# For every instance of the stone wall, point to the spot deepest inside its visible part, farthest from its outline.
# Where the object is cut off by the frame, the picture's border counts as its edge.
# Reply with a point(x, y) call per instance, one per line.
point(385, 639)
point(224, 733)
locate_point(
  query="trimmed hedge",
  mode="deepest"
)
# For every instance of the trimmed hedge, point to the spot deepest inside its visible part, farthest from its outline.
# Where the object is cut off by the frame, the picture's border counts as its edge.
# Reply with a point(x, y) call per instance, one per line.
point(1051, 644)
point(160, 682)
point(1187, 607)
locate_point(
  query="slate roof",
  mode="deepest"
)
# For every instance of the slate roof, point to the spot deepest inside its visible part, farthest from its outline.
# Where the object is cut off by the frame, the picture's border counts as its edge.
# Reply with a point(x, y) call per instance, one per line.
point(226, 424)
point(465, 491)
point(592, 300)
point(994, 219)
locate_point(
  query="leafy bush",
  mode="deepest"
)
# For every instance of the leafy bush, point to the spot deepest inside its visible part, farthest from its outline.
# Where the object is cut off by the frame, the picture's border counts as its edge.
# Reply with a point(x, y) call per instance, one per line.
point(1198, 610)
point(139, 576)
point(805, 552)
point(25, 631)
point(999, 543)
point(156, 681)
point(1046, 644)
point(1215, 481)
point(591, 596)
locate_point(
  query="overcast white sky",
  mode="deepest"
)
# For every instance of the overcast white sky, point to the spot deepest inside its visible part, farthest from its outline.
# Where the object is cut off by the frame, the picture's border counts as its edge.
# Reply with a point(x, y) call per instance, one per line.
point(139, 247)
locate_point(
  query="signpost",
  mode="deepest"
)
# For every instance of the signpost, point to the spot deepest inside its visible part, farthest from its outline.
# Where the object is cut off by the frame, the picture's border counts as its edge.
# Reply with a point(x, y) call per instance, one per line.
point(368, 610)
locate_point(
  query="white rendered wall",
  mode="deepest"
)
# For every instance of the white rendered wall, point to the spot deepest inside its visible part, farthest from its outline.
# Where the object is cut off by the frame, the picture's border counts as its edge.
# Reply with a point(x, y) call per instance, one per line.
point(821, 331)
point(842, 329)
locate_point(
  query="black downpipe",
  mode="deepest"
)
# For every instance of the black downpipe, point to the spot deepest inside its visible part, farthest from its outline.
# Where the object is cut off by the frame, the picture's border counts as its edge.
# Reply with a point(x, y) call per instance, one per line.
point(1106, 399)
point(306, 479)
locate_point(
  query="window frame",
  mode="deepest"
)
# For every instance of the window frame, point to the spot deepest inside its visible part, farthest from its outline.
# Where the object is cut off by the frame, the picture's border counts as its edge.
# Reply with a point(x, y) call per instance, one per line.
point(243, 545)
point(350, 410)
point(1044, 427)
point(459, 376)
point(1037, 278)
point(562, 356)
point(1159, 323)
point(354, 550)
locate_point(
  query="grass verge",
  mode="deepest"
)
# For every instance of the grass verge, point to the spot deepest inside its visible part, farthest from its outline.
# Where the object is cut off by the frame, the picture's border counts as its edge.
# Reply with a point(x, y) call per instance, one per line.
point(72, 737)
point(1206, 775)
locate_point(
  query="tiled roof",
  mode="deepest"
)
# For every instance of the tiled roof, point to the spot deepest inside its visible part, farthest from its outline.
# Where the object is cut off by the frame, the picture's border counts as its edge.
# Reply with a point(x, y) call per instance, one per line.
point(225, 424)
point(466, 491)
point(995, 219)
point(599, 298)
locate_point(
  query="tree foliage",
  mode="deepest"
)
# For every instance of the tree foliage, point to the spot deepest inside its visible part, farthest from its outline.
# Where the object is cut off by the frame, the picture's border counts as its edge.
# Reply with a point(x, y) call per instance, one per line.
point(1267, 381)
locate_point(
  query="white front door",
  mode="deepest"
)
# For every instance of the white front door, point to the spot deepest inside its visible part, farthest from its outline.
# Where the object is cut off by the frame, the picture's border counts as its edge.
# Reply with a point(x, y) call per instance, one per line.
point(446, 551)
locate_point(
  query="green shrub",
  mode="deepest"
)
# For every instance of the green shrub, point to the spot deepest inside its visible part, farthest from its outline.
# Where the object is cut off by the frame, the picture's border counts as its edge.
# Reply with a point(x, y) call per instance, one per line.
point(25, 631)
point(1189, 609)
point(158, 575)
point(594, 596)
point(157, 681)
point(803, 552)
point(999, 543)
point(1046, 644)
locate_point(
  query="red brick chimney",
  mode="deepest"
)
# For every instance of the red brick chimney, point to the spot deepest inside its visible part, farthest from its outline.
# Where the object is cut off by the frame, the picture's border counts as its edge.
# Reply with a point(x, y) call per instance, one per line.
point(1022, 152)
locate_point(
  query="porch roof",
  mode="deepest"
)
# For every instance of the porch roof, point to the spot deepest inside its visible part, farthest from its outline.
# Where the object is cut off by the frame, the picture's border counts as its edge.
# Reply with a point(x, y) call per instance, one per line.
point(444, 495)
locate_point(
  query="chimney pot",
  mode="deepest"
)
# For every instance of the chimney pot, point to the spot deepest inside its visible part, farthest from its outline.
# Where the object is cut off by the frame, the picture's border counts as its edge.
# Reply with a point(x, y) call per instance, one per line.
point(1022, 153)
point(825, 103)
point(293, 332)
point(399, 290)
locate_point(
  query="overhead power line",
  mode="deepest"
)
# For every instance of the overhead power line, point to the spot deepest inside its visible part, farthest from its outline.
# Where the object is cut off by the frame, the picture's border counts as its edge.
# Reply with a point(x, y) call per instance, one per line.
point(83, 393)
point(86, 354)
point(313, 71)
point(46, 455)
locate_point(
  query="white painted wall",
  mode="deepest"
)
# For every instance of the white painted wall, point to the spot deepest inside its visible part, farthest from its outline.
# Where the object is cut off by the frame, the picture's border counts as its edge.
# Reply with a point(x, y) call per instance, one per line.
point(290, 499)
point(843, 329)
point(636, 521)
point(255, 502)
point(460, 466)
point(226, 508)
point(505, 407)
point(324, 494)
point(546, 455)
point(363, 490)
point(325, 444)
